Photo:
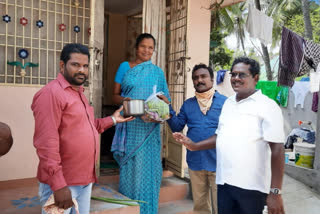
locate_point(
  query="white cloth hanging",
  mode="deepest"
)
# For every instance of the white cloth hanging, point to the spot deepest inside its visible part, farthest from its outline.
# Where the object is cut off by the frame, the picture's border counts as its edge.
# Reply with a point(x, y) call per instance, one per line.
point(300, 89)
point(315, 80)
point(259, 25)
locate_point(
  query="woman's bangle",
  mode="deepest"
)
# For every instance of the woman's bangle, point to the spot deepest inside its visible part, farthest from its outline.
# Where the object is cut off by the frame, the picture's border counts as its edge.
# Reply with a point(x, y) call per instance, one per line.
point(114, 120)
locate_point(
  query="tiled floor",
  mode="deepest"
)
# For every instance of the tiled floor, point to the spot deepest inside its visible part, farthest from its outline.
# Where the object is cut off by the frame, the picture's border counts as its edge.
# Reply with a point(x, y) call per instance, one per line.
point(298, 198)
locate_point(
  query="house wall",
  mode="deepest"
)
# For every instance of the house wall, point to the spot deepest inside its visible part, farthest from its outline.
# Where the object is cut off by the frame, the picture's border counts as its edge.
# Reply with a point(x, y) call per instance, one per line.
point(292, 115)
point(15, 110)
point(309, 177)
point(224, 87)
point(198, 37)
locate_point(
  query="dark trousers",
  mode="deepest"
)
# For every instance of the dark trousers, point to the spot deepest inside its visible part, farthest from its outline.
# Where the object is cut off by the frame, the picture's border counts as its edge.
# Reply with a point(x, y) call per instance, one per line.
point(235, 200)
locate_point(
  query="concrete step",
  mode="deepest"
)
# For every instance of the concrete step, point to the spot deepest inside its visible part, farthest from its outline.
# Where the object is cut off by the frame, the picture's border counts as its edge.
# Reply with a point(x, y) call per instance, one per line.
point(176, 207)
point(172, 188)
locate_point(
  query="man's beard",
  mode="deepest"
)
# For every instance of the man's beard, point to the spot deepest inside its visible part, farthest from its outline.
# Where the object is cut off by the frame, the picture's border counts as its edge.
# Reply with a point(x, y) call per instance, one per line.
point(72, 79)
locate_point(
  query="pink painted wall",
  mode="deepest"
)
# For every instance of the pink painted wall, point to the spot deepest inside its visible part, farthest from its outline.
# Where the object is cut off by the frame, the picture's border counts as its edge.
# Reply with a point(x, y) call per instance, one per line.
point(198, 37)
point(21, 161)
point(15, 110)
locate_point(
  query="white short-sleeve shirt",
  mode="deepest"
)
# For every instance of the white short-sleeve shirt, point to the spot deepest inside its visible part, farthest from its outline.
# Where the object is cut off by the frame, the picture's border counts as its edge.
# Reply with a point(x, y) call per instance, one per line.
point(243, 152)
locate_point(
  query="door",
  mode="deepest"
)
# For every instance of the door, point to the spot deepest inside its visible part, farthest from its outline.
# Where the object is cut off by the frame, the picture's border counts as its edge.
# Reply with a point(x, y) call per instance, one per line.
point(95, 65)
point(176, 76)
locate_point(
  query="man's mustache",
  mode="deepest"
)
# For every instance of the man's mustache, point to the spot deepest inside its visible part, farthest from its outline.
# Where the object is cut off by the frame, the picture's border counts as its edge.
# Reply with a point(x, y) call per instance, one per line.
point(78, 74)
point(200, 83)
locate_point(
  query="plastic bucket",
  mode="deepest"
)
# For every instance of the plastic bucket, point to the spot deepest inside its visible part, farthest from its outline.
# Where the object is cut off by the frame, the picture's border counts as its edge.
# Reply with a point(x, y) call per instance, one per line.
point(286, 158)
point(304, 153)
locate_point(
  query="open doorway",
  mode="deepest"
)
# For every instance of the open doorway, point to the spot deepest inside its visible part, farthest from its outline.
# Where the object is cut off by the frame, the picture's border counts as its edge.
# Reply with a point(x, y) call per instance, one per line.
point(123, 23)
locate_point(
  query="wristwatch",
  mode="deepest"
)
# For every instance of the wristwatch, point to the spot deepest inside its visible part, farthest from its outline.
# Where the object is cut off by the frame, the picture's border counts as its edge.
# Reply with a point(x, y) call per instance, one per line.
point(275, 191)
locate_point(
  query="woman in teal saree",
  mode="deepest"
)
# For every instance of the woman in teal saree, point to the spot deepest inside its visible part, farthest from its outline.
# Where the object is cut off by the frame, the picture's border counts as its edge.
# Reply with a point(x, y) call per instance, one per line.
point(137, 144)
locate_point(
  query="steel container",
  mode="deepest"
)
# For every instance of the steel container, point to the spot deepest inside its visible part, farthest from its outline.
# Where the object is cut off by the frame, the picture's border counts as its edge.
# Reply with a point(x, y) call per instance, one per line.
point(133, 108)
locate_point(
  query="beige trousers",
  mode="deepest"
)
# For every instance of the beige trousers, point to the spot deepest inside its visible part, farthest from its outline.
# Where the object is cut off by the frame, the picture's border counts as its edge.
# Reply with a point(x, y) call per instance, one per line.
point(202, 182)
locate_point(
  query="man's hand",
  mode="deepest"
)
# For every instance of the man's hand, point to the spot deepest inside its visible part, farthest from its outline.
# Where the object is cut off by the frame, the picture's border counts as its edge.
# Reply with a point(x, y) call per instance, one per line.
point(164, 98)
point(119, 118)
point(275, 204)
point(184, 140)
point(63, 198)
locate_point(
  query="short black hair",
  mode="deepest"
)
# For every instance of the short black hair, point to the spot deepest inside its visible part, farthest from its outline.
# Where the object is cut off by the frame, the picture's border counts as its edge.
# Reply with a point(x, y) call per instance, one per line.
point(254, 65)
point(68, 49)
point(145, 36)
point(201, 65)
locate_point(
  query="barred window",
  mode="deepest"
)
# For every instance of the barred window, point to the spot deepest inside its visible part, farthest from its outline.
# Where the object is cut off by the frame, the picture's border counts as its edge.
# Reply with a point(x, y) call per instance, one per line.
point(33, 33)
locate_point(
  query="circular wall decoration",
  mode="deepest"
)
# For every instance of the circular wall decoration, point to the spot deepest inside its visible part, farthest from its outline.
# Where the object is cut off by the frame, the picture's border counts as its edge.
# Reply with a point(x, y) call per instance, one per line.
point(76, 29)
point(62, 27)
point(39, 24)
point(24, 21)
point(23, 53)
point(6, 18)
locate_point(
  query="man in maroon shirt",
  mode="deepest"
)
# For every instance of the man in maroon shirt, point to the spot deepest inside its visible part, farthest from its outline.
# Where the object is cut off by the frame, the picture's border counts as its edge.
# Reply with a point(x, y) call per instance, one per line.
point(67, 134)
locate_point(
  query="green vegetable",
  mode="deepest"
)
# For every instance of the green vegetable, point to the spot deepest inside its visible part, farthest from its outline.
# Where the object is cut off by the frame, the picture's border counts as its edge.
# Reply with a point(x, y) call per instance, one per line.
point(160, 108)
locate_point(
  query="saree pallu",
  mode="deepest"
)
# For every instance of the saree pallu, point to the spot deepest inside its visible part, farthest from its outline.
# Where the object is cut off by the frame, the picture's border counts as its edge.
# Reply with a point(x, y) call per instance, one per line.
point(140, 162)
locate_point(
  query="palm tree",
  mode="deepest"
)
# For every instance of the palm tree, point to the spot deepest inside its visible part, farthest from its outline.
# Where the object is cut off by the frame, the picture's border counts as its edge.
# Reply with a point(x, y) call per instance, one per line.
point(265, 52)
point(231, 19)
point(306, 18)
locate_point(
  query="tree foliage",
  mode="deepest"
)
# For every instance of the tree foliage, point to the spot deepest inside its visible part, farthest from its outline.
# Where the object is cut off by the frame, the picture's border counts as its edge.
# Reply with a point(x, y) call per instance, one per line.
point(231, 20)
point(296, 24)
point(220, 56)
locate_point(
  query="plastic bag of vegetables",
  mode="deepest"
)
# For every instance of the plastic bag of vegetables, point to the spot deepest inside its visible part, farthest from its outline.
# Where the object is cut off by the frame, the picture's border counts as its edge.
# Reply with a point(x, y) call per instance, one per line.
point(156, 108)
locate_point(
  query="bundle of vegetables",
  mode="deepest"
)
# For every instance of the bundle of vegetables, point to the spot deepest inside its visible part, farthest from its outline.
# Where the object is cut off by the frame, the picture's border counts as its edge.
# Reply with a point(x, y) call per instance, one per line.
point(156, 108)
point(127, 202)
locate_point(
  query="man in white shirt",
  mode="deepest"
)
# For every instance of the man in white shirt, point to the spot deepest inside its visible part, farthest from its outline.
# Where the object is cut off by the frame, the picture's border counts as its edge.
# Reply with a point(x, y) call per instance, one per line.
point(249, 143)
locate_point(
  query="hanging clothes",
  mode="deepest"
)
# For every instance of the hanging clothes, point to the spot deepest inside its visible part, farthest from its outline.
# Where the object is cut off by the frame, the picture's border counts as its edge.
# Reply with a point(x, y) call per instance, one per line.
point(274, 92)
point(311, 58)
point(314, 81)
point(220, 76)
point(315, 101)
point(300, 90)
point(291, 56)
point(259, 25)
point(282, 97)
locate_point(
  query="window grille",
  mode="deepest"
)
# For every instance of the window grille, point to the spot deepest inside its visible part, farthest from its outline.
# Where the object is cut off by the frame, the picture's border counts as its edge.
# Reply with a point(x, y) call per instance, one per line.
point(32, 35)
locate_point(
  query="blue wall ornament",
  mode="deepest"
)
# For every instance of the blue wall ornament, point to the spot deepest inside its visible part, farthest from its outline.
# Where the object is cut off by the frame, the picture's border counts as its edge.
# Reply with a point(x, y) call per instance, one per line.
point(39, 24)
point(23, 53)
point(6, 18)
point(76, 29)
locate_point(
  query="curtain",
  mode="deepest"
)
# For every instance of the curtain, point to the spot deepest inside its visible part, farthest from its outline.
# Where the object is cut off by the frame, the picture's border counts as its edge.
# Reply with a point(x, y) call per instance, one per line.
point(154, 22)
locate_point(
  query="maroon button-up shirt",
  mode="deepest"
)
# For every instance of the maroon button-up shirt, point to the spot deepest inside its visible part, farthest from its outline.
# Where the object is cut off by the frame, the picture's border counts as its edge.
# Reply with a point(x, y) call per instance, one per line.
point(66, 135)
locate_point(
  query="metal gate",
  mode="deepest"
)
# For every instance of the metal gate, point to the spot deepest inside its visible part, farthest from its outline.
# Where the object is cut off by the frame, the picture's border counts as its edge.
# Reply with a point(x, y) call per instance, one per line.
point(32, 34)
point(176, 76)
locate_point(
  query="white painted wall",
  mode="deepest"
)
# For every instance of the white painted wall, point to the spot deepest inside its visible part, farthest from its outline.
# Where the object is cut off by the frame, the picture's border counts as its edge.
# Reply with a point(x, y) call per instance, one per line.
point(225, 87)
